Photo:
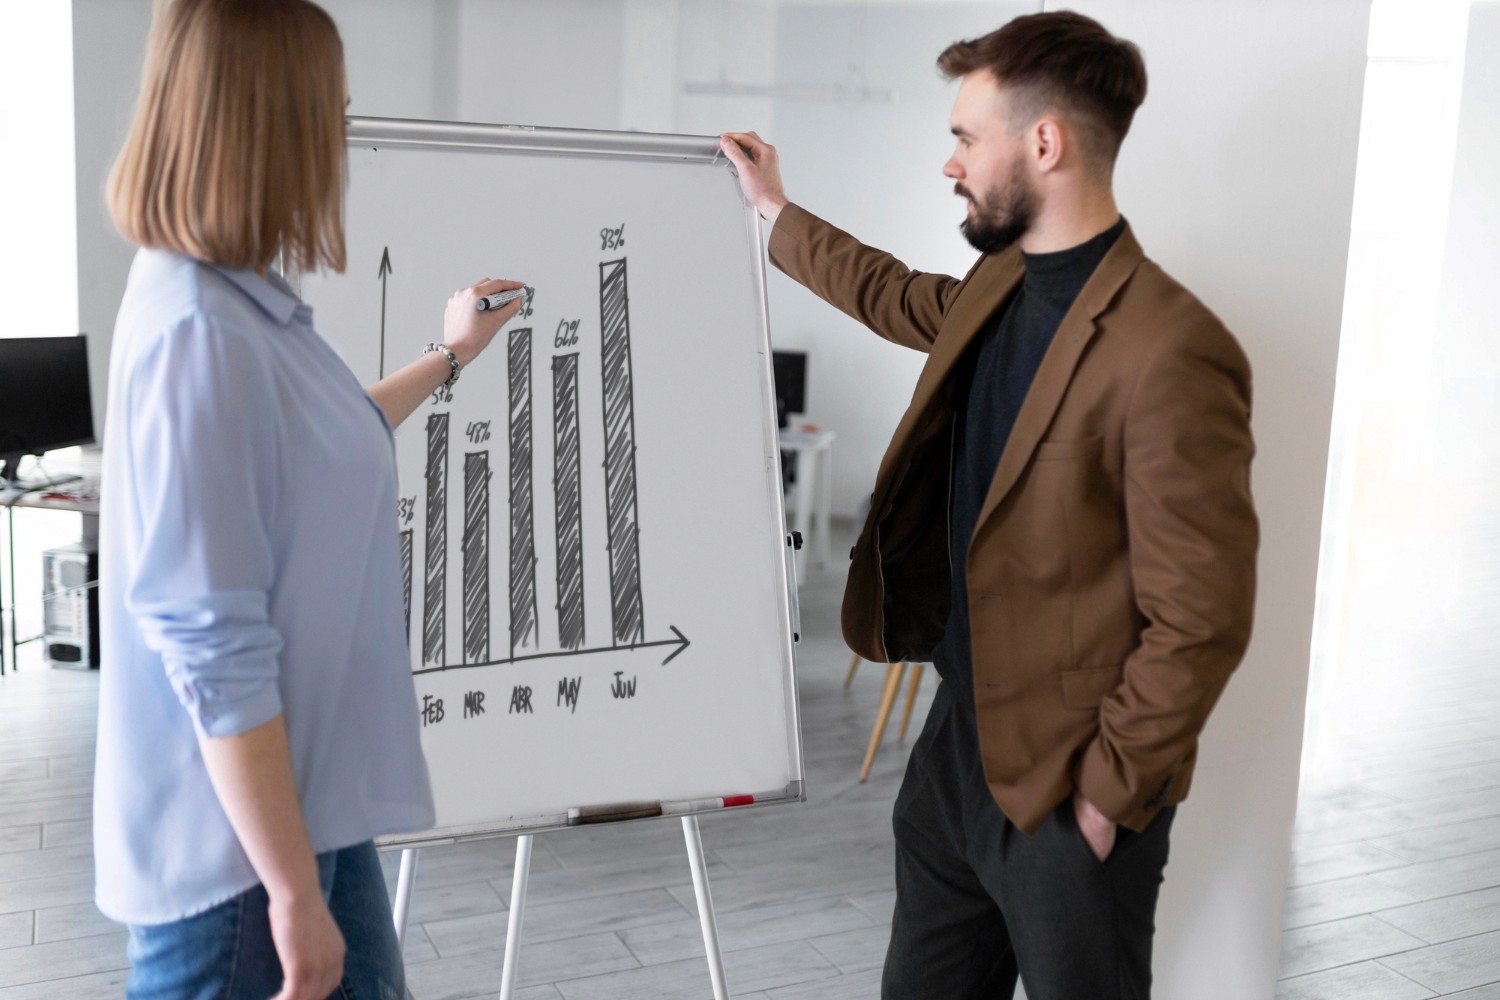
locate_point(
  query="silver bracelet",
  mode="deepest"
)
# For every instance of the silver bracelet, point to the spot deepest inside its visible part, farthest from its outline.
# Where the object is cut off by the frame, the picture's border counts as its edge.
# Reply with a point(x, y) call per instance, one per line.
point(452, 359)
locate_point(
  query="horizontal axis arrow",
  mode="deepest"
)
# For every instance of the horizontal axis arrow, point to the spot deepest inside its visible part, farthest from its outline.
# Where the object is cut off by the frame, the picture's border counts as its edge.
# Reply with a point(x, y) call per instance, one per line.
point(681, 641)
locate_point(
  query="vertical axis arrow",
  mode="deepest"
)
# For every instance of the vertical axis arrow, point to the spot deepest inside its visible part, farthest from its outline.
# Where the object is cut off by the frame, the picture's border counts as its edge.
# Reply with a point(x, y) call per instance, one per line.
point(385, 269)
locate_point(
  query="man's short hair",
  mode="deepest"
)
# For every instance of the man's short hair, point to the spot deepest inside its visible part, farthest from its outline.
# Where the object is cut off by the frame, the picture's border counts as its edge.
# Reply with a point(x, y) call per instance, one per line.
point(236, 151)
point(1066, 63)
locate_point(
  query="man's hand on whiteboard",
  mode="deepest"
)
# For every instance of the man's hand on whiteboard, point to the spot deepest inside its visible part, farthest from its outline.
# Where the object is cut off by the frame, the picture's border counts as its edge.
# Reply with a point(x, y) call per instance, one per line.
point(466, 330)
point(755, 161)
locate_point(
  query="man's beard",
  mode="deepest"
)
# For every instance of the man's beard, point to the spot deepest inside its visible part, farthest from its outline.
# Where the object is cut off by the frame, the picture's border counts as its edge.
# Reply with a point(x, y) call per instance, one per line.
point(1002, 217)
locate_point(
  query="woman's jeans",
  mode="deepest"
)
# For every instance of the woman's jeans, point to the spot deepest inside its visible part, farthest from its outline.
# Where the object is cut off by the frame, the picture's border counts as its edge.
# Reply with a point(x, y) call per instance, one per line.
point(226, 953)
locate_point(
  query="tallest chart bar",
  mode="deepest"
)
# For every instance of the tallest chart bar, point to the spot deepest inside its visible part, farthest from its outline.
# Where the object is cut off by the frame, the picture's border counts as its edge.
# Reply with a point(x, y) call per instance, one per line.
point(622, 516)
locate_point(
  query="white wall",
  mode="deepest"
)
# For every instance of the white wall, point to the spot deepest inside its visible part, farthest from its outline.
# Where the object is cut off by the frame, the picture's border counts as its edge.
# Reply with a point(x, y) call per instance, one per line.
point(553, 63)
point(109, 46)
point(401, 56)
point(38, 279)
point(721, 46)
point(515, 61)
point(1467, 365)
point(1380, 469)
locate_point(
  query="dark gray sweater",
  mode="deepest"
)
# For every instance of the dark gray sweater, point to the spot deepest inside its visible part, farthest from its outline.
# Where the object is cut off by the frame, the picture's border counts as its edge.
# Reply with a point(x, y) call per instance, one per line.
point(990, 383)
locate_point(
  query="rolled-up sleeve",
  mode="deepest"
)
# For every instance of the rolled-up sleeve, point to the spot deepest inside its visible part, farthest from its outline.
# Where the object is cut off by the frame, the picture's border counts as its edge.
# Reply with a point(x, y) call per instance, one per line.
point(203, 426)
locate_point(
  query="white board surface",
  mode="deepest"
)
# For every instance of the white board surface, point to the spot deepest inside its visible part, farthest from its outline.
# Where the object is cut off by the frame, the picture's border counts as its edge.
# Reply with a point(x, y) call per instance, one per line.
point(599, 609)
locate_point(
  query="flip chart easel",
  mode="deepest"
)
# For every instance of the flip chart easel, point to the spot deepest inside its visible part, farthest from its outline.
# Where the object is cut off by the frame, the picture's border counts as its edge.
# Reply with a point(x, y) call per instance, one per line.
point(595, 508)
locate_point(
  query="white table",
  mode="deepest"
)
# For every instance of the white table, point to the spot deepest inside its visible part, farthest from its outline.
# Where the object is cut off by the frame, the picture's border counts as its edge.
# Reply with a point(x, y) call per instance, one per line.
point(812, 497)
point(10, 500)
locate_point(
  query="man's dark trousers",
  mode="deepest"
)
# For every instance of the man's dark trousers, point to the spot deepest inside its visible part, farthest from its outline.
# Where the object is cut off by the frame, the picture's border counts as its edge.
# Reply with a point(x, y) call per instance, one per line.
point(979, 902)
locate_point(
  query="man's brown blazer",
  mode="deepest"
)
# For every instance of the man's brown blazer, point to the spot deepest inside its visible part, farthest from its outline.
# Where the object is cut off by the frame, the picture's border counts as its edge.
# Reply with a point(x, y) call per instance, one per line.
point(1112, 571)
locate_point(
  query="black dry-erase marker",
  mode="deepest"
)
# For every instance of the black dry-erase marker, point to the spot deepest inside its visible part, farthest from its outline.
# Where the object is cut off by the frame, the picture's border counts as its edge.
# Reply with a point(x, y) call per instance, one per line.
point(613, 813)
point(487, 302)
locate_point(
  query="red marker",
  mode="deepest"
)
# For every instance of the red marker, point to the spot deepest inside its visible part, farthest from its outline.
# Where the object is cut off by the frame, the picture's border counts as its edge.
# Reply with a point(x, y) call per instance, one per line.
point(685, 806)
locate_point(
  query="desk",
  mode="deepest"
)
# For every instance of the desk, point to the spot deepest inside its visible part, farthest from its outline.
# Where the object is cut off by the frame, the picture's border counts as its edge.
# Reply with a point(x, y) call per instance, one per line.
point(814, 489)
point(36, 500)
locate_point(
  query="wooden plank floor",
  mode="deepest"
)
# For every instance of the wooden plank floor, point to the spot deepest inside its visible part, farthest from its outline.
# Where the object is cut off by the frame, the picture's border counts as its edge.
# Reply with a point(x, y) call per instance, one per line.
point(1395, 882)
point(1394, 892)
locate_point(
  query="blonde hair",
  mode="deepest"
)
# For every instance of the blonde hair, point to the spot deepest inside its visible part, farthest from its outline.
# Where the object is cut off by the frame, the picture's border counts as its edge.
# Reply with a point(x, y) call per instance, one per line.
point(236, 151)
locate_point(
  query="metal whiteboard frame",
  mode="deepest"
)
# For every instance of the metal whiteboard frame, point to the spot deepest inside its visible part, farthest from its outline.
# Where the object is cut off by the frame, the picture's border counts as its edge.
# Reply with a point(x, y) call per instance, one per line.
point(374, 133)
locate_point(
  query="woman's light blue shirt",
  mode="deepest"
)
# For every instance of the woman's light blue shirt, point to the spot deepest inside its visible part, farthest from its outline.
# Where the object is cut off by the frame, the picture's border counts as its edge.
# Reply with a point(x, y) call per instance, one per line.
point(248, 568)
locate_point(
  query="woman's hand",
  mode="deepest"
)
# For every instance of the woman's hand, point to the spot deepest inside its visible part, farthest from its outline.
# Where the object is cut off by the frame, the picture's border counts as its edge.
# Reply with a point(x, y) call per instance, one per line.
point(466, 330)
point(253, 778)
point(309, 945)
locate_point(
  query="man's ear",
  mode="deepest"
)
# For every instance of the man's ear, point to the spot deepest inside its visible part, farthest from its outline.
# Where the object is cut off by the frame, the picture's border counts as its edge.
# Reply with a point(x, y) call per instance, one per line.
point(1048, 142)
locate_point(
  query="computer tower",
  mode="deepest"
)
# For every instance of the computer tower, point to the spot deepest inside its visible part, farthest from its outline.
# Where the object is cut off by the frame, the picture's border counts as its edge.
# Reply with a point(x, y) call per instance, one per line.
point(70, 603)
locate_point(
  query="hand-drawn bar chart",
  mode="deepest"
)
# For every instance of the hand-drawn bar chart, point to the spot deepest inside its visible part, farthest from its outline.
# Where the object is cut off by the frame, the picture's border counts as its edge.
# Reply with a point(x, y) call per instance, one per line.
point(478, 566)
point(599, 481)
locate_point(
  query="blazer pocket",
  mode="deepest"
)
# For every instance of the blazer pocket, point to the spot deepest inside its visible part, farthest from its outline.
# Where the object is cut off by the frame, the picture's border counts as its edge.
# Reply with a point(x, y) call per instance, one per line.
point(1049, 451)
point(1087, 688)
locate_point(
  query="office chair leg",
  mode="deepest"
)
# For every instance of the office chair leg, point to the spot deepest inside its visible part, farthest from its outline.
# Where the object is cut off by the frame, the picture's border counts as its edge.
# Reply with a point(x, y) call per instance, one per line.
point(893, 676)
point(911, 697)
point(853, 666)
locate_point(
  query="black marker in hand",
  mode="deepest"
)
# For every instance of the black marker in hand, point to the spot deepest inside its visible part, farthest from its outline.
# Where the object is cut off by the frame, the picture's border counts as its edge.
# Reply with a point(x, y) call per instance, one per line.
point(487, 302)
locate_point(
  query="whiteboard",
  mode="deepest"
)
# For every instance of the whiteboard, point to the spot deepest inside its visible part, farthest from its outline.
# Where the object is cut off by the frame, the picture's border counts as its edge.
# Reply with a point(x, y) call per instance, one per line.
point(596, 579)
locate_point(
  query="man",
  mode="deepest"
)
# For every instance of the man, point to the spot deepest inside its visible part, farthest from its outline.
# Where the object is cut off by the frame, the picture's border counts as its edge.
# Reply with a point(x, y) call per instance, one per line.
point(1062, 522)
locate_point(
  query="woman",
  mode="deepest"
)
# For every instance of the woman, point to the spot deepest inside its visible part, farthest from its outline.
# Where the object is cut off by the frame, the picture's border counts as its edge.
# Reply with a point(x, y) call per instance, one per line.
point(257, 719)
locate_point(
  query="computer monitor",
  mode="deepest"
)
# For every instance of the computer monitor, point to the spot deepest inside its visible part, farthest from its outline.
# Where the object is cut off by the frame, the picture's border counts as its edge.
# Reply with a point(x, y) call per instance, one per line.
point(790, 371)
point(44, 398)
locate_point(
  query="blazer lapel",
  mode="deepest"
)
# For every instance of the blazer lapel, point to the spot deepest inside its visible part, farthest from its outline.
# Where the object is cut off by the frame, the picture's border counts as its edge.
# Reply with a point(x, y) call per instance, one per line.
point(1058, 364)
point(993, 280)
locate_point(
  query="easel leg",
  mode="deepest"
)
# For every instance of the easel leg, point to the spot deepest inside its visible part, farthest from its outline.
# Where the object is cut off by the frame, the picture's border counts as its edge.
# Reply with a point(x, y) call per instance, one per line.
point(517, 908)
point(705, 907)
point(405, 881)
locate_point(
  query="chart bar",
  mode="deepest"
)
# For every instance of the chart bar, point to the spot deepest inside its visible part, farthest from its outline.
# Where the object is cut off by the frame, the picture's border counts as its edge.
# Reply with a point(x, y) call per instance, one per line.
point(406, 545)
point(567, 477)
point(523, 618)
point(622, 517)
point(476, 557)
point(435, 586)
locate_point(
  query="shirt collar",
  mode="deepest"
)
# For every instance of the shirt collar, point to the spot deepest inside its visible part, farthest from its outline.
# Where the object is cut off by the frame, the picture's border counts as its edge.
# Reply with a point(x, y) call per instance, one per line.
point(274, 296)
point(1064, 272)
